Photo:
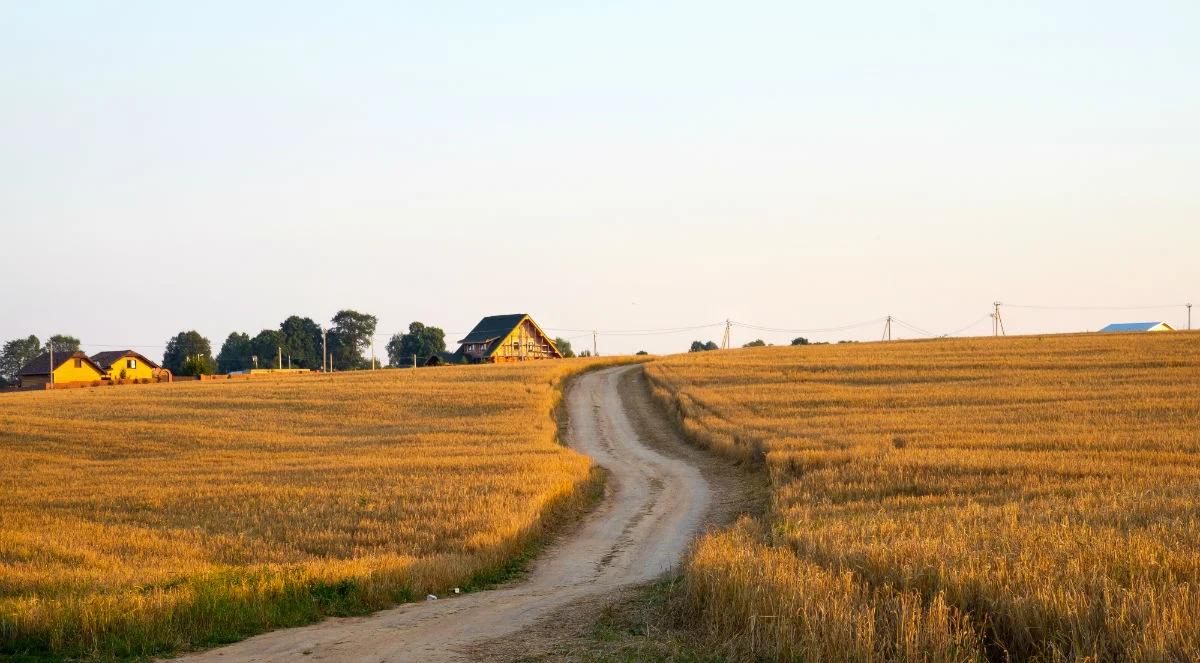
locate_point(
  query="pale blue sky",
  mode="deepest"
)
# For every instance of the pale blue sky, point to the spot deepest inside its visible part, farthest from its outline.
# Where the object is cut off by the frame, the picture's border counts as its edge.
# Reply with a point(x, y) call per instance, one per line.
point(165, 166)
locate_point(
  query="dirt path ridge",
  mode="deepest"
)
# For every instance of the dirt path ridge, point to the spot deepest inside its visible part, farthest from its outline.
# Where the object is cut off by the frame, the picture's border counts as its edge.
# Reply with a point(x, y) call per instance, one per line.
point(654, 504)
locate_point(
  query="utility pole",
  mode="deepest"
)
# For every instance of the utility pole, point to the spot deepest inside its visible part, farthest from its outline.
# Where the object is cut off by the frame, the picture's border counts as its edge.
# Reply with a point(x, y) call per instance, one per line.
point(887, 329)
point(595, 353)
point(52, 363)
point(997, 321)
point(414, 361)
point(279, 357)
point(1189, 316)
point(324, 352)
point(725, 339)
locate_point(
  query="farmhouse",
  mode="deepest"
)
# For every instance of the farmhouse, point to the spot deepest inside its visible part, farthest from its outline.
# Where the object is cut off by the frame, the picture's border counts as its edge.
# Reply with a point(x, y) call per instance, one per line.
point(68, 367)
point(1138, 327)
point(503, 338)
point(125, 365)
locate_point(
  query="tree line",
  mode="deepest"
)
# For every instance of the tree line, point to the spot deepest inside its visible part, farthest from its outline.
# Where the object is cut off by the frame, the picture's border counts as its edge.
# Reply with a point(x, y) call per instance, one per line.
point(297, 343)
point(20, 351)
point(705, 346)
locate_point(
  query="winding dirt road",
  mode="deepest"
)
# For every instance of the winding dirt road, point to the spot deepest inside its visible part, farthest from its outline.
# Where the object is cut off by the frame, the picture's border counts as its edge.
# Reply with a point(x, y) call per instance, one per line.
point(655, 503)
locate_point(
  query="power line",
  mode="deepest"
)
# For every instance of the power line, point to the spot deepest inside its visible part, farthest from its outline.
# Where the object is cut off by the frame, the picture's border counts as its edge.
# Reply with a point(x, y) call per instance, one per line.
point(1095, 308)
point(912, 327)
point(854, 325)
point(978, 320)
point(619, 332)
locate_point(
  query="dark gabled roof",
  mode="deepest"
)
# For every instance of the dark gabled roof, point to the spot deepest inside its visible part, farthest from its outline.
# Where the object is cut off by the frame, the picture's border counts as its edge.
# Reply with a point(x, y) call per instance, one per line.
point(40, 365)
point(494, 327)
point(106, 358)
point(442, 358)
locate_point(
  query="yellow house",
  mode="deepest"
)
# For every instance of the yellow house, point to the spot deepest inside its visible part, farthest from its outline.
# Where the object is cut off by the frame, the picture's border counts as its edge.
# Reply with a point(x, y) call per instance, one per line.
point(68, 367)
point(125, 365)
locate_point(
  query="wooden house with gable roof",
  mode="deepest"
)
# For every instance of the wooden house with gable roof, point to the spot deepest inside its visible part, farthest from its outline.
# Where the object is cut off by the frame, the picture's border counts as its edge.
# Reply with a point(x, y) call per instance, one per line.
point(504, 338)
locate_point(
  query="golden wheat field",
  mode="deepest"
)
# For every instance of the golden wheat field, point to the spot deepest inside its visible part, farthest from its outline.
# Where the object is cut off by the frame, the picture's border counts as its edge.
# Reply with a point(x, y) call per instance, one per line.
point(146, 519)
point(1024, 499)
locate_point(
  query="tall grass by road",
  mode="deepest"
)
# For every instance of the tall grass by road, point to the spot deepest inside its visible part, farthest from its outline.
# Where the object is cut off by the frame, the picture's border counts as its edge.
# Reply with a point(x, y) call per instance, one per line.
point(142, 520)
point(1025, 499)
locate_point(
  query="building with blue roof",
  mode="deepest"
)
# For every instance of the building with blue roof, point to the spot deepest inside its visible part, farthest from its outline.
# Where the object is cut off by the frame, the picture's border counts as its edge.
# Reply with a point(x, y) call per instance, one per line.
point(1138, 327)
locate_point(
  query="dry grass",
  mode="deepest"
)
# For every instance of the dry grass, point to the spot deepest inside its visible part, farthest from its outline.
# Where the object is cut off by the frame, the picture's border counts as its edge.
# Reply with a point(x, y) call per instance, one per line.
point(1030, 499)
point(146, 519)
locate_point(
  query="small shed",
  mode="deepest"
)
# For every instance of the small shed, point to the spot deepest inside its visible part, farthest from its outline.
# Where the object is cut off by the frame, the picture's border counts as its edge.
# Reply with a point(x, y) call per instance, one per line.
point(1137, 327)
point(441, 359)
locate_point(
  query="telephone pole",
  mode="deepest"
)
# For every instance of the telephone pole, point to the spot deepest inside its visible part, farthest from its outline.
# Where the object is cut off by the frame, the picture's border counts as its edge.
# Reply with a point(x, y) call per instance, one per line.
point(1189, 316)
point(279, 357)
point(595, 352)
point(725, 339)
point(324, 352)
point(997, 321)
point(887, 329)
point(52, 363)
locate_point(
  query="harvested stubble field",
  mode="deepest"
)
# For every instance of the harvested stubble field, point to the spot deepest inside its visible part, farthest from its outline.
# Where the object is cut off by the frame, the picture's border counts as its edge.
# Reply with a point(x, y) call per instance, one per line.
point(1024, 499)
point(141, 520)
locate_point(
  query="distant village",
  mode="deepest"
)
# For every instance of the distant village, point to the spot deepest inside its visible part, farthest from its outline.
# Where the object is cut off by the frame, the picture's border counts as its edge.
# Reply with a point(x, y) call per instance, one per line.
point(495, 339)
point(26, 364)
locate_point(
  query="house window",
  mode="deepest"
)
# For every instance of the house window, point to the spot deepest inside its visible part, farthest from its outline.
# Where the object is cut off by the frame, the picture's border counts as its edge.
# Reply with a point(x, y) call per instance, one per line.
point(78, 363)
point(130, 363)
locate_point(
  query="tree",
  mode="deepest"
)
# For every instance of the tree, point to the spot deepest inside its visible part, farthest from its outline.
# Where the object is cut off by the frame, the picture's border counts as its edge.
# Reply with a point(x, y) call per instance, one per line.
point(183, 345)
point(15, 354)
point(697, 346)
point(642, 352)
point(197, 365)
point(757, 343)
point(585, 353)
point(564, 347)
point(350, 335)
point(301, 341)
point(266, 346)
point(62, 343)
point(420, 341)
point(799, 340)
point(235, 353)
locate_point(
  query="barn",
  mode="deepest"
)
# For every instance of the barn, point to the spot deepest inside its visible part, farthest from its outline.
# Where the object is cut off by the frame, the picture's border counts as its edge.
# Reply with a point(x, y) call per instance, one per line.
point(505, 338)
point(1137, 327)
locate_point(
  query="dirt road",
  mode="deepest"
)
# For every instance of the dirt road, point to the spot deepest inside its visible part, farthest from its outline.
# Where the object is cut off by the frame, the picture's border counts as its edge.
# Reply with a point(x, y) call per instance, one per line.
point(654, 505)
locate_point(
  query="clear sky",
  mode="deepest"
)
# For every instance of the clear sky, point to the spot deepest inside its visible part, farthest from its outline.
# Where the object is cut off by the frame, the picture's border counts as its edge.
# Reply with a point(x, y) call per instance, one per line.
point(630, 165)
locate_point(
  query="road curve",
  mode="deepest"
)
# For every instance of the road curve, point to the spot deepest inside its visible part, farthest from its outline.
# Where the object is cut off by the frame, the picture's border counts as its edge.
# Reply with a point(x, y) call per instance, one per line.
point(653, 506)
